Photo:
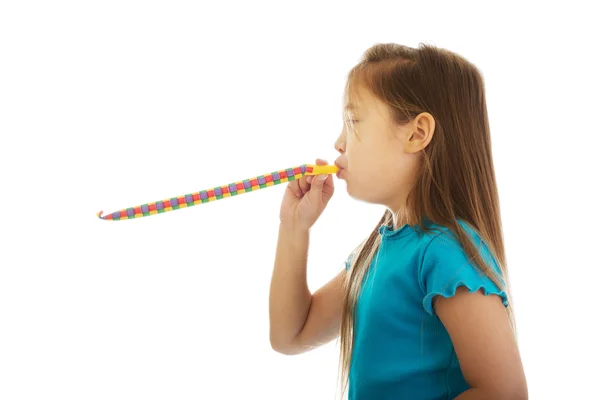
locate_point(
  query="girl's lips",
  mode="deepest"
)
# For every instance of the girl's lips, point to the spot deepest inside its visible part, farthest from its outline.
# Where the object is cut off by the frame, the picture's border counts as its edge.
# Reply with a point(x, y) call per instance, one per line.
point(340, 169)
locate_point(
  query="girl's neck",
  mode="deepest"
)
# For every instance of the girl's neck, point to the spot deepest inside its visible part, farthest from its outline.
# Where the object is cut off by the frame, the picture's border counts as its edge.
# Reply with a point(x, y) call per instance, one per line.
point(402, 217)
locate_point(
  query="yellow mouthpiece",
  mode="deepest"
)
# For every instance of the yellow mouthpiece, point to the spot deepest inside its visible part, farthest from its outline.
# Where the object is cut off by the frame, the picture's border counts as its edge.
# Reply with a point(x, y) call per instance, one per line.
point(322, 169)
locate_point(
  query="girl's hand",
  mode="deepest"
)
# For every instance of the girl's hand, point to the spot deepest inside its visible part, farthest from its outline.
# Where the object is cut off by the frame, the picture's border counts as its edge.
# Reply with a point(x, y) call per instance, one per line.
point(305, 199)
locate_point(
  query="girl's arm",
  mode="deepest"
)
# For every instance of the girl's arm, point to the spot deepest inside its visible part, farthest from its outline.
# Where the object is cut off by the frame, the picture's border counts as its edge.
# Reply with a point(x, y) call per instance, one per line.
point(299, 320)
point(485, 345)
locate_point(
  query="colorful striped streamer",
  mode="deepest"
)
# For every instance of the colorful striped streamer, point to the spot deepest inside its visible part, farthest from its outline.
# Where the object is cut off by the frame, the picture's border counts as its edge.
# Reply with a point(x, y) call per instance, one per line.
point(220, 192)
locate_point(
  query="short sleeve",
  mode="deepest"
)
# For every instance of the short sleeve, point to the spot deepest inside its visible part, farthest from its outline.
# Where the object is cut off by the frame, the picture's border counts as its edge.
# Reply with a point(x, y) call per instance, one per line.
point(348, 262)
point(446, 267)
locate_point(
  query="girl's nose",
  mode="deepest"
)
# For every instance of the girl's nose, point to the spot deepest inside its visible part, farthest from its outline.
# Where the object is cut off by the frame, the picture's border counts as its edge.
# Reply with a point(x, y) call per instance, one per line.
point(340, 144)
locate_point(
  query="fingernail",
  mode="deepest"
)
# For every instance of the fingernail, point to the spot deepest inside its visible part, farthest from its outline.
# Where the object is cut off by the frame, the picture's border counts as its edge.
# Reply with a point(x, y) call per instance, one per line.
point(322, 177)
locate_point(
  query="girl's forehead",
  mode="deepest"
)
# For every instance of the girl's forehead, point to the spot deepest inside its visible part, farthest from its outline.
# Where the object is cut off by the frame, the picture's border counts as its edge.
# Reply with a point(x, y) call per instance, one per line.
point(363, 103)
point(351, 107)
point(355, 103)
point(358, 98)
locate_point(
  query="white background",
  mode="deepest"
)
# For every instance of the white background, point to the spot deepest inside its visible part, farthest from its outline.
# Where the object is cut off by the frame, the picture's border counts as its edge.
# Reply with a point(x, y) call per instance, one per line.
point(106, 105)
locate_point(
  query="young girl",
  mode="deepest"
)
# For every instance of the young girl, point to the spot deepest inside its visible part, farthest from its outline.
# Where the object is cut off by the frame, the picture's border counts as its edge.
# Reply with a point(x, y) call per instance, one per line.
point(421, 308)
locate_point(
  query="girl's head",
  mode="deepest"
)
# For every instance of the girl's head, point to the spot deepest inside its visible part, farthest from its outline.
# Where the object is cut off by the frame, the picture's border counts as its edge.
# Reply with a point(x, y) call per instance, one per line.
point(416, 140)
point(415, 120)
point(380, 148)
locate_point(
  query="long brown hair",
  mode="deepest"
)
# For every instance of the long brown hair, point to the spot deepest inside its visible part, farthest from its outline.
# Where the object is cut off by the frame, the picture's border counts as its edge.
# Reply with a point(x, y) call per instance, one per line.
point(457, 179)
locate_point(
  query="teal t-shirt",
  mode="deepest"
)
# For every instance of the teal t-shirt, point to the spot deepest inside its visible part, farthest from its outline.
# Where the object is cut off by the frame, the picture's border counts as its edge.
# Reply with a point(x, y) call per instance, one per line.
point(402, 350)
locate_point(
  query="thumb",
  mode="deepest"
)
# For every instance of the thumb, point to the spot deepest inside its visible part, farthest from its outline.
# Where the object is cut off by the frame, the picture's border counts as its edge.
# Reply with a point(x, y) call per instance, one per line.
point(317, 183)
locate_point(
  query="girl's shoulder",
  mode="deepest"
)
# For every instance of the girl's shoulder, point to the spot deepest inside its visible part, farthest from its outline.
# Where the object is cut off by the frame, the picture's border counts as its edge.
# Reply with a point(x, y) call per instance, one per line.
point(439, 235)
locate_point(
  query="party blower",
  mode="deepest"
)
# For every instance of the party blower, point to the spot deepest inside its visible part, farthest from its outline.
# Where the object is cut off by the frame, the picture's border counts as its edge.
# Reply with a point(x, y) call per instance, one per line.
point(220, 192)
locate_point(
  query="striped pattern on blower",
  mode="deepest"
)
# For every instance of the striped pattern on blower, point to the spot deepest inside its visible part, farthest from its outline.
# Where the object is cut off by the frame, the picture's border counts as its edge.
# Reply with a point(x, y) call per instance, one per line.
point(216, 193)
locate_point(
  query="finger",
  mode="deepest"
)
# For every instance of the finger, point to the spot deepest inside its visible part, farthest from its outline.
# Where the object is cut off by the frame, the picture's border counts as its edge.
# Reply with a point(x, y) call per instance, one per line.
point(328, 187)
point(318, 161)
point(328, 179)
point(295, 188)
point(304, 184)
point(316, 189)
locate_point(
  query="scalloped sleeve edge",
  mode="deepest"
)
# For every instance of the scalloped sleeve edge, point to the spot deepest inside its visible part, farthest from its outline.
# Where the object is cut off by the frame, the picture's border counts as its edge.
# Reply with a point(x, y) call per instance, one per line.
point(451, 291)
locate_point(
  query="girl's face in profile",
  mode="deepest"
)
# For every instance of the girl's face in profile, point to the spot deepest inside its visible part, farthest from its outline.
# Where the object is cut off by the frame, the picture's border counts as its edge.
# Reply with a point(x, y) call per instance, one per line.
point(373, 161)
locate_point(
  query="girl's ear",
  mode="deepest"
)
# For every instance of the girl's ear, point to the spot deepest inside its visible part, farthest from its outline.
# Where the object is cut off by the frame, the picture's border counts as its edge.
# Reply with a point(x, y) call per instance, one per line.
point(420, 132)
